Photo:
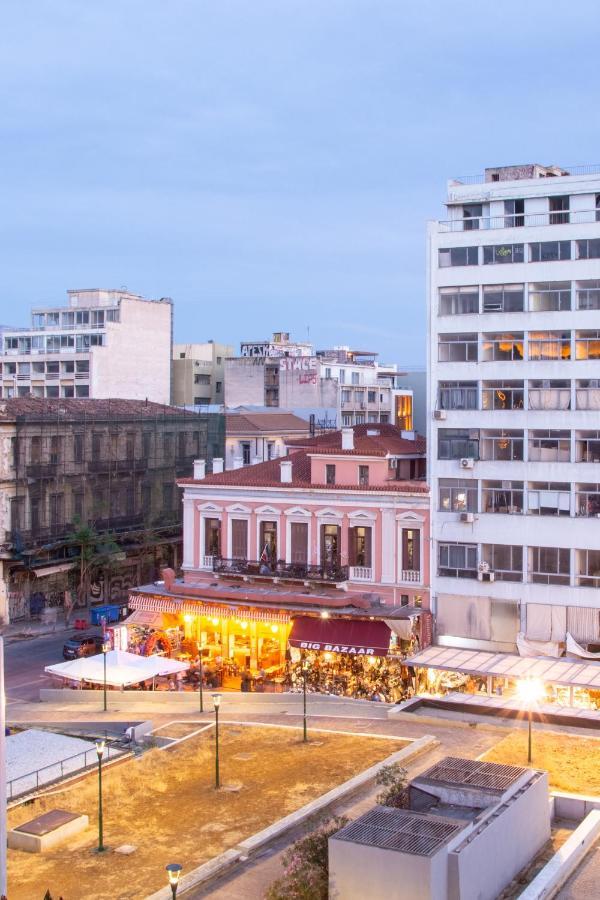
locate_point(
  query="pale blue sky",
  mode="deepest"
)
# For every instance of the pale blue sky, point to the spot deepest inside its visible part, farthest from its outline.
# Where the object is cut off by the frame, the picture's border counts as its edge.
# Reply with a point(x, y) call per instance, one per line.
point(271, 164)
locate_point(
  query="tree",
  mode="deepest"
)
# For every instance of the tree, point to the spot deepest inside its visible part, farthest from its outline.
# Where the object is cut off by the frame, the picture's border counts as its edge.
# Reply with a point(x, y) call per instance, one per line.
point(393, 779)
point(95, 550)
point(306, 865)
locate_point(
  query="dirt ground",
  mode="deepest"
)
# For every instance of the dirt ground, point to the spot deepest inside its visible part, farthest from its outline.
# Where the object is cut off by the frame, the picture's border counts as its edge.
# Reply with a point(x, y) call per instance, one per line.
point(572, 762)
point(165, 804)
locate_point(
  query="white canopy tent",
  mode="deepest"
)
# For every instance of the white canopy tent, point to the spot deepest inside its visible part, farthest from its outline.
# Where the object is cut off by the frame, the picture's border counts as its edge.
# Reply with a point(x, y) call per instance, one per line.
point(122, 669)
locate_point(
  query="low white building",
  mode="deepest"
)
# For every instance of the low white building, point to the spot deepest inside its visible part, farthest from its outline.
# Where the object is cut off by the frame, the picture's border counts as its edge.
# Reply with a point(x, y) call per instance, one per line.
point(104, 344)
point(468, 830)
point(253, 437)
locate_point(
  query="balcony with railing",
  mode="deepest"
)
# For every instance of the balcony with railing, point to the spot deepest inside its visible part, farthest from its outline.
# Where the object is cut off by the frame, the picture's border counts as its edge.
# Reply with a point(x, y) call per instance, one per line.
point(411, 576)
point(361, 573)
point(519, 220)
point(245, 568)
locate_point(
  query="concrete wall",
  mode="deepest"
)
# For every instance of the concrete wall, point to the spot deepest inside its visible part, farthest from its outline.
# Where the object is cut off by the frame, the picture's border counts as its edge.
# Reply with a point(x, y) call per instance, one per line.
point(480, 866)
point(357, 872)
point(245, 381)
point(135, 364)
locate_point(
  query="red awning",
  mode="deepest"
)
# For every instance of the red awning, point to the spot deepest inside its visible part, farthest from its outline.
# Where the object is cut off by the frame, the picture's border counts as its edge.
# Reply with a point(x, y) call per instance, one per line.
point(360, 638)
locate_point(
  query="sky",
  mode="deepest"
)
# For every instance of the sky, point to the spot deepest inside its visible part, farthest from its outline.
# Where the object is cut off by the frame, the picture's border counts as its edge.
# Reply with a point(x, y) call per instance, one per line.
point(271, 165)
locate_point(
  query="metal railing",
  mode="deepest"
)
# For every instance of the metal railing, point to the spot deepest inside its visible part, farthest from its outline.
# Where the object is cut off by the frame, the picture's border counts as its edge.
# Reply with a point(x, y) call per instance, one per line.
point(290, 571)
point(591, 169)
point(33, 781)
point(518, 220)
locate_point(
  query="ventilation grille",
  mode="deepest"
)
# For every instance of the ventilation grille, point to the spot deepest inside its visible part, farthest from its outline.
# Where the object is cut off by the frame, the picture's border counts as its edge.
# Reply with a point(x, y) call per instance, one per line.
point(401, 830)
point(470, 772)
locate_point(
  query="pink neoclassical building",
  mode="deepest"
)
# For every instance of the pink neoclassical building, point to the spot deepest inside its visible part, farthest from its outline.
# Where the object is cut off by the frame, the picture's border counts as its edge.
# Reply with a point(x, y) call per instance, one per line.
point(325, 550)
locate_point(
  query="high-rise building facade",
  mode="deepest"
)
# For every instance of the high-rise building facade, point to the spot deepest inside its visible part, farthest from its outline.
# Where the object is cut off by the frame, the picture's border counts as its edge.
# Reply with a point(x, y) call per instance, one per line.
point(105, 343)
point(513, 407)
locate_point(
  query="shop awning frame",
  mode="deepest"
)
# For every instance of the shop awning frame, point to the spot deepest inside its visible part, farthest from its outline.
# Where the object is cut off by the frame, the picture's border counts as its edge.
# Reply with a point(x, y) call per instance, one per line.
point(564, 671)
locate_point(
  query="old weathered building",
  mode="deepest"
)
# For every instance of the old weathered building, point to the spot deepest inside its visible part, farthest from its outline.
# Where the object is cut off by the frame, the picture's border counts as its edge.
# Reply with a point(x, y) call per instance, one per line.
point(106, 465)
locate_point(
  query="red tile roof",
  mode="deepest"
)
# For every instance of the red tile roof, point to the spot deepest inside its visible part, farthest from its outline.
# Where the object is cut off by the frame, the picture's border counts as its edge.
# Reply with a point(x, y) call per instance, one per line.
point(268, 474)
point(271, 422)
point(369, 440)
point(80, 408)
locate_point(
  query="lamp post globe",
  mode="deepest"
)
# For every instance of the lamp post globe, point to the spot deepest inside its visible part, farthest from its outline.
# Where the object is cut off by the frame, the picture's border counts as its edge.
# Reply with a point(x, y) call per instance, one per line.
point(173, 874)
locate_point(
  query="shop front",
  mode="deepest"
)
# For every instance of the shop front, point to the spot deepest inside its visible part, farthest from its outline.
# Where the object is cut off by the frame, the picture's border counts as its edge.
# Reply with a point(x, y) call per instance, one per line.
point(234, 646)
point(446, 674)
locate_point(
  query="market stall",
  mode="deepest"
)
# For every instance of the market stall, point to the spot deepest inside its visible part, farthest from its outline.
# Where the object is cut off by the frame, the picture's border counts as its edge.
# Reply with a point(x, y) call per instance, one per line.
point(122, 669)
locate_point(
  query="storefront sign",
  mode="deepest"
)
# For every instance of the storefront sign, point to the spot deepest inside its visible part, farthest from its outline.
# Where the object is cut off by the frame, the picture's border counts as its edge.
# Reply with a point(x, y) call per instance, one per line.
point(337, 648)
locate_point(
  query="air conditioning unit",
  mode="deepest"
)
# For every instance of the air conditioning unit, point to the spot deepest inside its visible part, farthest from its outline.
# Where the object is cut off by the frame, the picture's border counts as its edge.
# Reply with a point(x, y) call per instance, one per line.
point(467, 517)
point(439, 414)
point(485, 576)
point(483, 567)
point(467, 462)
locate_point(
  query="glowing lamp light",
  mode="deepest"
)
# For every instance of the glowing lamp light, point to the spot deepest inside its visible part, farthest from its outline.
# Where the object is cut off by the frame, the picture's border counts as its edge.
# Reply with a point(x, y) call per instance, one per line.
point(100, 747)
point(215, 621)
point(328, 656)
point(530, 690)
point(187, 618)
point(244, 625)
point(274, 628)
point(324, 614)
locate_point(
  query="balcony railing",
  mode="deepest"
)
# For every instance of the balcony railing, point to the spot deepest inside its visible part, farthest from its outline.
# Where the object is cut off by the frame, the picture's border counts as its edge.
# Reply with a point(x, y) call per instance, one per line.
point(413, 575)
point(208, 562)
point(516, 220)
point(361, 573)
point(286, 571)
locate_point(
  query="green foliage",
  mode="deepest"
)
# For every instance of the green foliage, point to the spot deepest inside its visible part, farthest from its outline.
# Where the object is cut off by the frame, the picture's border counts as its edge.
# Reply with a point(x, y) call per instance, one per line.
point(306, 865)
point(393, 779)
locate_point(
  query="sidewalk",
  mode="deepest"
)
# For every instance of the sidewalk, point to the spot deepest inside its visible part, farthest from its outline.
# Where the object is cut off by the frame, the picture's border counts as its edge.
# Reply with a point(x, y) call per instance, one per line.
point(27, 629)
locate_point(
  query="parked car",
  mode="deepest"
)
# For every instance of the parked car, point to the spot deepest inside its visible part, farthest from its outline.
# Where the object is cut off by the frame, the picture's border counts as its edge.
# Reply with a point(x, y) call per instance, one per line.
point(82, 645)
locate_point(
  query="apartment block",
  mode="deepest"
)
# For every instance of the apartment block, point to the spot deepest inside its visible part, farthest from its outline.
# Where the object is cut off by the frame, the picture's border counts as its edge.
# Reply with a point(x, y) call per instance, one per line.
point(104, 343)
point(513, 406)
point(199, 373)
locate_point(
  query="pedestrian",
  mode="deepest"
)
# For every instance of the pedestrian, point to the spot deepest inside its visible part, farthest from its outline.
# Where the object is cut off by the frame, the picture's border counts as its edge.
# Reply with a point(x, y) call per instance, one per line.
point(179, 678)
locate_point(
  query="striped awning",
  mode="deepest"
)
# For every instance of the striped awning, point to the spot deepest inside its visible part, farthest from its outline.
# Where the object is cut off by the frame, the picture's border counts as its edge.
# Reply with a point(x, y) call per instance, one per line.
point(185, 606)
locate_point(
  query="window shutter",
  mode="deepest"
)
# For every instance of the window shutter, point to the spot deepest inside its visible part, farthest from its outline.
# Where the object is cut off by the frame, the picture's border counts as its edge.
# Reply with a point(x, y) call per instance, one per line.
point(239, 538)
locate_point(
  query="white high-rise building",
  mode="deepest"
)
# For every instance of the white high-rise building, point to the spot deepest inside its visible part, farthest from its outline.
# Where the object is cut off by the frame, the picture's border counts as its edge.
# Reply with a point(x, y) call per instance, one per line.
point(514, 407)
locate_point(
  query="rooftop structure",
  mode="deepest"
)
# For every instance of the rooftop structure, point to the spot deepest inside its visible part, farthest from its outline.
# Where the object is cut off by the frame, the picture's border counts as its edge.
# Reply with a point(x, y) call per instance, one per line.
point(105, 343)
point(257, 436)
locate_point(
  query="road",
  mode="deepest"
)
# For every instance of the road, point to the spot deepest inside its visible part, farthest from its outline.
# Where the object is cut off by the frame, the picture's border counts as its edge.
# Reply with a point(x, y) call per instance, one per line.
point(24, 662)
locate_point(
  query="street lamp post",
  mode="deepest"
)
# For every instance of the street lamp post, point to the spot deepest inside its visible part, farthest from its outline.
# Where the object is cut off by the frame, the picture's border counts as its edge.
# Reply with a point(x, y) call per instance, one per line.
point(217, 703)
point(105, 649)
point(304, 674)
point(530, 690)
point(174, 872)
point(100, 746)
point(201, 674)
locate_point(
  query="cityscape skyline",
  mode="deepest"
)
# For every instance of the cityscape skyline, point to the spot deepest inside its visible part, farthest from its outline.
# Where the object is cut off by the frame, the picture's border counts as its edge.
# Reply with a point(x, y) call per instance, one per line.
point(280, 168)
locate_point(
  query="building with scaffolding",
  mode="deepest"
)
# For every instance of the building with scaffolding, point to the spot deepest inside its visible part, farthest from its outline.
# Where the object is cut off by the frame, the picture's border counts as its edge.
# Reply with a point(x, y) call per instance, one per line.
point(89, 504)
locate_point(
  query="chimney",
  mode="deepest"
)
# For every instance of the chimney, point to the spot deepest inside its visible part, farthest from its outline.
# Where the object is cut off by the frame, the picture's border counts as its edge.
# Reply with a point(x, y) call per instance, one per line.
point(217, 465)
point(238, 462)
point(199, 469)
point(286, 471)
point(347, 439)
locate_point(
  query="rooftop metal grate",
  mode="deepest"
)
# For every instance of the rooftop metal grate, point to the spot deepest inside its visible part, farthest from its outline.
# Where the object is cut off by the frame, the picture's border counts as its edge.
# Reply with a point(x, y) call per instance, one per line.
point(474, 773)
point(396, 829)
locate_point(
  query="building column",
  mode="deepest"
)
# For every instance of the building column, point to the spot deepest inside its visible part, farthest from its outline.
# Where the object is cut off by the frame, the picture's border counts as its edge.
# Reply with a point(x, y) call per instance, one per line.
point(388, 546)
point(188, 533)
